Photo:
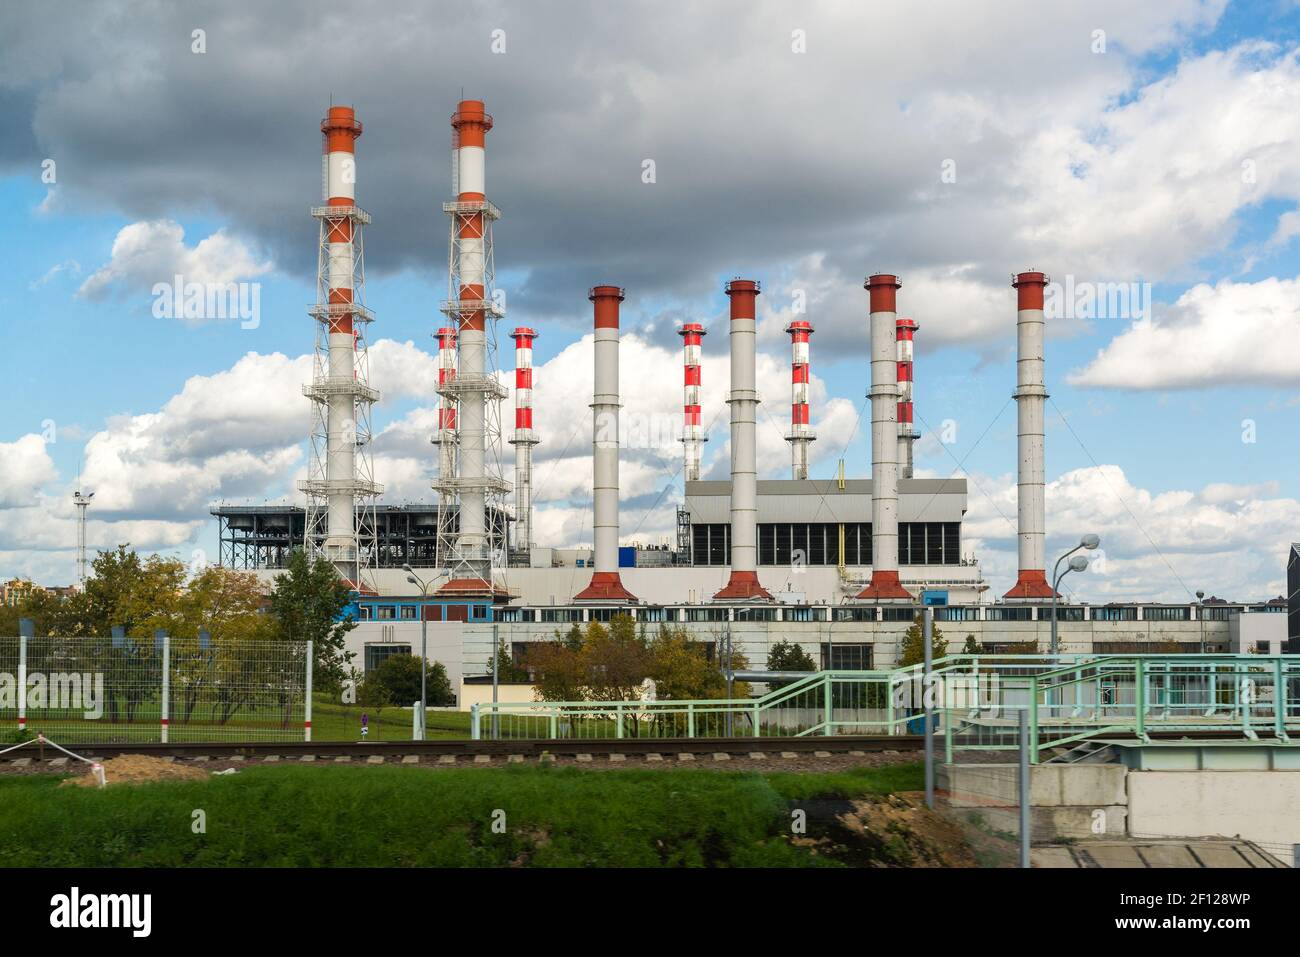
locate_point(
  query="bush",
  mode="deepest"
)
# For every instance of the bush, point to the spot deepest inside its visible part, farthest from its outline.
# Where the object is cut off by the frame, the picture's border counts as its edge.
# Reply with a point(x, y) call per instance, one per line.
point(398, 678)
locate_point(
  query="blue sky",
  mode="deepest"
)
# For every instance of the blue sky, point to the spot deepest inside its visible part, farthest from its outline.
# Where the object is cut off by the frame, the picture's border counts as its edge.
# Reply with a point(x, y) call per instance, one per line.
point(1156, 129)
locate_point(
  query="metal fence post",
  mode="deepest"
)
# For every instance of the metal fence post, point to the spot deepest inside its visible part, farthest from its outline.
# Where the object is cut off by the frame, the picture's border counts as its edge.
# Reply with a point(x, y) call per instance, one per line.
point(1023, 787)
point(927, 701)
point(165, 717)
point(755, 721)
point(1140, 693)
point(26, 629)
point(306, 715)
point(827, 715)
point(1279, 701)
point(473, 723)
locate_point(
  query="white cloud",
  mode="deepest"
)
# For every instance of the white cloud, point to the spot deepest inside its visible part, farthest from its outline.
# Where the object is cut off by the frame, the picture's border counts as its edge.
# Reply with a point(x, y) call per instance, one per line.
point(27, 467)
point(154, 251)
point(1232, 333)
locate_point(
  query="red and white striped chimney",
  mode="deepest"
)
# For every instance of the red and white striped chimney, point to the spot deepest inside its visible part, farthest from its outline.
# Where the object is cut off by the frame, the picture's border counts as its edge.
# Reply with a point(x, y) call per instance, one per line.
point(907, 434)
point(884, 584)
point(524, 438)
point(606, 586)
point(693, 436)
point(800, 431)
point(445, 438)
point(743, 585)
point(1031, 397)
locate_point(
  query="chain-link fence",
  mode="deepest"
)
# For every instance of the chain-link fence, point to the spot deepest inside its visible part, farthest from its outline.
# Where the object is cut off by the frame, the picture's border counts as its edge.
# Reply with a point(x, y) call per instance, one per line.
point(122, 690)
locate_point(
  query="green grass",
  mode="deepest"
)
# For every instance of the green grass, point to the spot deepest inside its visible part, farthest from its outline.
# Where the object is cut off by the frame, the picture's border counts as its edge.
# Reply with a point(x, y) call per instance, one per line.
point(393, 817)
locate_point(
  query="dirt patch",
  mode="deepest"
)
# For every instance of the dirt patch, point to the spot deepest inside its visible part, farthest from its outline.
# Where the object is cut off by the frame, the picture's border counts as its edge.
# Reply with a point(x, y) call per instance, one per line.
point(139, 769)
point(894, 831)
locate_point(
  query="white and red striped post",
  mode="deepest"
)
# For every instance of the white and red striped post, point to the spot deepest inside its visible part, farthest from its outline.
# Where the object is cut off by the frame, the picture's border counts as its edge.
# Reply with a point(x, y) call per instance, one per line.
point(606, 585)
point(693, 436)
point(884, 584)
point(524, 438)
point(801, 433)
point(907, 434)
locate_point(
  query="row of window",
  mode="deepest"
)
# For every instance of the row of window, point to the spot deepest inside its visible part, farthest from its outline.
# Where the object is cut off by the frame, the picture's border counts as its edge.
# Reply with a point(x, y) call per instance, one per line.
point(794, 544)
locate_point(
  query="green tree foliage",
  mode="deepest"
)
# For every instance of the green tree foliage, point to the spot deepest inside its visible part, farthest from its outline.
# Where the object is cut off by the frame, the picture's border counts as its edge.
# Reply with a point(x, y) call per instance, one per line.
point(308, 605)
point(611, 663)
point(506, 669)
point(972, 647)
point(399, 677)
point(788, 656)
point(911, 650)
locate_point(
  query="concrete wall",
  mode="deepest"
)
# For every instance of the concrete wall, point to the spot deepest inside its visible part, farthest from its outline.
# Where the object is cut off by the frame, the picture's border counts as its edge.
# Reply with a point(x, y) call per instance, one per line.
point(477, 693)
point(1259, 806)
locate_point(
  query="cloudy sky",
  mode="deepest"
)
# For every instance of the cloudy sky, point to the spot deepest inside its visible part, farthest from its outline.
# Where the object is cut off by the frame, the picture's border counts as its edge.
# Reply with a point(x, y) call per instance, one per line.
point(807, 145)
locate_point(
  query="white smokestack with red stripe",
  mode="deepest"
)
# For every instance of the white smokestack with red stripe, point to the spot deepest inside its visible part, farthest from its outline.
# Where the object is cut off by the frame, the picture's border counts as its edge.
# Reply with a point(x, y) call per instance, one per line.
point(884, 584)
point(743, 585)
point(446, 434)
point(801, 433)
point(605, 586)
point(524, 438)
point(693, 436)
point(1031, 397)
point(907, 434)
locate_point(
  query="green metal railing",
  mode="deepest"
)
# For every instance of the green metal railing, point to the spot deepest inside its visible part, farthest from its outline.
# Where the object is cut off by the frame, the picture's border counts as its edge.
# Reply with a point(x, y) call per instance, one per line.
point(976, 701)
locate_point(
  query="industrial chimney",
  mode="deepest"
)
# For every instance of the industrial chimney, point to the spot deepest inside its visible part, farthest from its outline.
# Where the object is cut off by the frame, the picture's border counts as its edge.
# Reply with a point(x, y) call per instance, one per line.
point(606, 586)
point(743, 584)
point(884, 584)
point(800, 431)
point(469, 546)
point(340, 472)
point(1030, 396)
point(907, 433)
point(693, 436)
point(524, 438)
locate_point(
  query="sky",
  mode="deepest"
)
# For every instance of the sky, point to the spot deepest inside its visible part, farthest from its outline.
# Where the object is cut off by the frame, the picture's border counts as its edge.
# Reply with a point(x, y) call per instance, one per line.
point(667, 147)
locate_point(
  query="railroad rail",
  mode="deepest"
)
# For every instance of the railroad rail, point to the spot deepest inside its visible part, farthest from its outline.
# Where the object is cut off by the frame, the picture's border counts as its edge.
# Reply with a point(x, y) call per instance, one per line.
point(534, 748)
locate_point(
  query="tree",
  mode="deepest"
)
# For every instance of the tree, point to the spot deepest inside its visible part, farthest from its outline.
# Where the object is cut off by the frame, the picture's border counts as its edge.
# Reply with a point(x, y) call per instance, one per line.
point(310, 603)
point(680, 668)
point(911, 650)
point(972, 647)
point(788, 656)
point(399, 677)
point(506, 670)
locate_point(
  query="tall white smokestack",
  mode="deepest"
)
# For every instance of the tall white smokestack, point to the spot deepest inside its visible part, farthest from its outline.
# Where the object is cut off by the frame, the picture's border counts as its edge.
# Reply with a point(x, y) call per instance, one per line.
point(907, 434)
point(445, 438)
point(884, 584)
point(340, 476)
point(693, 436)
point(801, 433)
point(1030, 396)
point(524, 438)
point(743, 585)
point(606, 586)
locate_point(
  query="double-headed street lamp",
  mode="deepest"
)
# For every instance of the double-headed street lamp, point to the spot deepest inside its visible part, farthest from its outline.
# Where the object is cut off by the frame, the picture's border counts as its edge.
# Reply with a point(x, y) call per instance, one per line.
point(1077, 564)
point(424, 643)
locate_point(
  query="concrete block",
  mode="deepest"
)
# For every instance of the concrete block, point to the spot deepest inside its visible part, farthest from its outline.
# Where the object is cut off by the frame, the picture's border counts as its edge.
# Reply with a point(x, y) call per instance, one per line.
point(721, 756)
point(821, 754)
point(1113, 855)
point(58, 762)
point(447, 758)
point(1051, 857)
point(237, 758)
point(616, 758)
point(654, 756)
point(515, 759)
point(546, 758)
point(1167, 855)
point(858, 754)
point(375, 759)
point(584, 758)
point(271, 758)
point(757, 755)
point(21, 762)
point(308, 758)
point(685, 756)
point(482, 759)
point(342, 759)
point(200, 758)
point(789, 754)
point(410, 759)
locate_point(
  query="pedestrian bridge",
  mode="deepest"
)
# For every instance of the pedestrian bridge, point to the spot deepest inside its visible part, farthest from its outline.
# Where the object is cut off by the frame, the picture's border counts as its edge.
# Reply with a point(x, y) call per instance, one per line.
point(976, 702)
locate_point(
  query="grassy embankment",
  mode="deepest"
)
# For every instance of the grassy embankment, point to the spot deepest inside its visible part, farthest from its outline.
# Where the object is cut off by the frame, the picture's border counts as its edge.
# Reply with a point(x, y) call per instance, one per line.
point(392, 816)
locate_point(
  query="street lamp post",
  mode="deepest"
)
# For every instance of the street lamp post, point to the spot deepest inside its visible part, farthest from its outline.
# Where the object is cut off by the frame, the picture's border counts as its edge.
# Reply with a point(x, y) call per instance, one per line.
point(1077, 564)
point(1200, 617)
point(424, 645)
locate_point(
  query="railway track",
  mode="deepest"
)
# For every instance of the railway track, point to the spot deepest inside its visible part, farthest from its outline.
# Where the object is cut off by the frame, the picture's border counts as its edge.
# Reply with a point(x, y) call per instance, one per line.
point(461, 748)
